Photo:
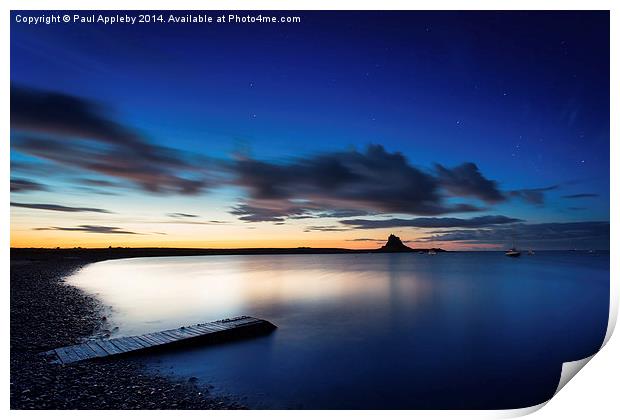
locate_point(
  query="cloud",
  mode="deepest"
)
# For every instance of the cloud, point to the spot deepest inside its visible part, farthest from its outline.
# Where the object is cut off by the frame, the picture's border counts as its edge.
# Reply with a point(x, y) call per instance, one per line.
point(569, 235)
point(19, 185)
point(280, 210)
point(266, 213)
point(466, 181)
point(373, 181)
point(331, 228)
point(94, 229)
point(582, 195)
point(430, 222)
point(365, 240)
point(81, 136)
point(343, 213)
point(192, 222)
point(533, 195)
point(76, 133)
point(181, 215)
point(57, 207)
point(64, 115)
point(93, 182)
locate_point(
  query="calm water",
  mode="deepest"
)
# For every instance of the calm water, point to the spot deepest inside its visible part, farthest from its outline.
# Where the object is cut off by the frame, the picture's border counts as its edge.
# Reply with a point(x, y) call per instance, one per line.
point(458, 330)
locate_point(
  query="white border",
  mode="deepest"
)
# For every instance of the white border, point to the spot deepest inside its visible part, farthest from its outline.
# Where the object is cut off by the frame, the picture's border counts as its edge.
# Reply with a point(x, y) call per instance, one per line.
point(594, 394)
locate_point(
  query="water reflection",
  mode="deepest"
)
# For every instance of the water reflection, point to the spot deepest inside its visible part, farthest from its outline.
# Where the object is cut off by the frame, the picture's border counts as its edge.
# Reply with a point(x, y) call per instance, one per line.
point(466, 330)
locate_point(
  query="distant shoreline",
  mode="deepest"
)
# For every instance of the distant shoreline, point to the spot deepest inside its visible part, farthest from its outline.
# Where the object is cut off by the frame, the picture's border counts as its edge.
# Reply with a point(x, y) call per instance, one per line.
point(98, 254)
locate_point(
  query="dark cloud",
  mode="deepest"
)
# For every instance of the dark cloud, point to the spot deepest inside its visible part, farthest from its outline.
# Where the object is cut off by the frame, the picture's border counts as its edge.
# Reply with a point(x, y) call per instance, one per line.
point(57, 207)
point(365, 240)
point(582, 235)
point(466, 181)
point(582, 195)
point(76, 133)
point(19, 185)
point(266, 213)
point(95, 191)
point(41, 169)
point(373, 181)
point(343, 213)
point(430, 222)
point(79, 135)
point(93, 182)
point(533, 195)
point(93, 229)
point(182, 215)
point(326, 229)
point(64, 115)
point(181, 221)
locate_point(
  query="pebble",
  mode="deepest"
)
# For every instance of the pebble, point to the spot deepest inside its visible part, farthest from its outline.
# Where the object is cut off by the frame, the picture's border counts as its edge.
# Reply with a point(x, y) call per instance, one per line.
point(47, 313)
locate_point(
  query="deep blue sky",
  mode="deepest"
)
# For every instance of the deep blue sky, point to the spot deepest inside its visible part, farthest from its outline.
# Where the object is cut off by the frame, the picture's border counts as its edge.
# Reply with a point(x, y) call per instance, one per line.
point(524, 96)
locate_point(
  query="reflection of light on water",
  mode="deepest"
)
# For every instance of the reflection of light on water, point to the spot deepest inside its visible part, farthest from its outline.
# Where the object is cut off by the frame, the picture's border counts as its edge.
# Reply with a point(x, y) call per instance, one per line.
point(369, 331)
point(169, 292)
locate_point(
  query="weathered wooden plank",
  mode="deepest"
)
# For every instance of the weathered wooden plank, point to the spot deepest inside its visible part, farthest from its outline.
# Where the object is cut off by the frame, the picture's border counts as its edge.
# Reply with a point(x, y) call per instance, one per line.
point(120, 343)
point(109, 347)
point(158, 338)
point(212, 327)
point(178, 335)
point(184, 332)
point(116, 346)
point(165, 338)
point(66, 355)
point(172, 335)
point(135, 343)
point(88, 351)
point(144, 341)
point(247, 323)
point(81, 352)
point(100, 351)
point(195, 331)
point(191, 331)
point(126, 342)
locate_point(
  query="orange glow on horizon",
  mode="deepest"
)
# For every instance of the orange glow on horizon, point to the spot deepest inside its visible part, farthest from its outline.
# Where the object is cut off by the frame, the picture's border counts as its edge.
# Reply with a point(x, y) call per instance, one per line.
point(34, 239)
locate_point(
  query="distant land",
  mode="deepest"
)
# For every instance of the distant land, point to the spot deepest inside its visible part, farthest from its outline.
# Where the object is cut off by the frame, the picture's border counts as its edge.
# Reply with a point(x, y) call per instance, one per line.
point(393, 245)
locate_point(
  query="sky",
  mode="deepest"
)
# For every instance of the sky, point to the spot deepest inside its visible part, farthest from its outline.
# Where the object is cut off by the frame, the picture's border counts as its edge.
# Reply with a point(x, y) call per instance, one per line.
point(460, 130)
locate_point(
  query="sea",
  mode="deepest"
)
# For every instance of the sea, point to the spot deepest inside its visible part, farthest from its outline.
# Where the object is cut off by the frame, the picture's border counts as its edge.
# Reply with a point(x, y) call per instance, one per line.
point(456, 330)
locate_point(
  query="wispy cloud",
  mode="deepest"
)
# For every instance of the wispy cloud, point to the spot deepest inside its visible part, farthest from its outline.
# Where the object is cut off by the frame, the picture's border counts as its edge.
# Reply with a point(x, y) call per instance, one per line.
point(58, 207)
point(94, 182)
point(466, 180)
point(533, 195)
point(94, 229)
point(430, 222)
point(182, 215)
point(47, 123)
point(558, 235)
point(582, 195)
point(20, 185)
point(331, 228)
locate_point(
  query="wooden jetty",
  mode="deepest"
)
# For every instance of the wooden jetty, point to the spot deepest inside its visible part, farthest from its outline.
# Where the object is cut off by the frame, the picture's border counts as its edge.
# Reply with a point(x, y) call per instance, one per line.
point(224, 329)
